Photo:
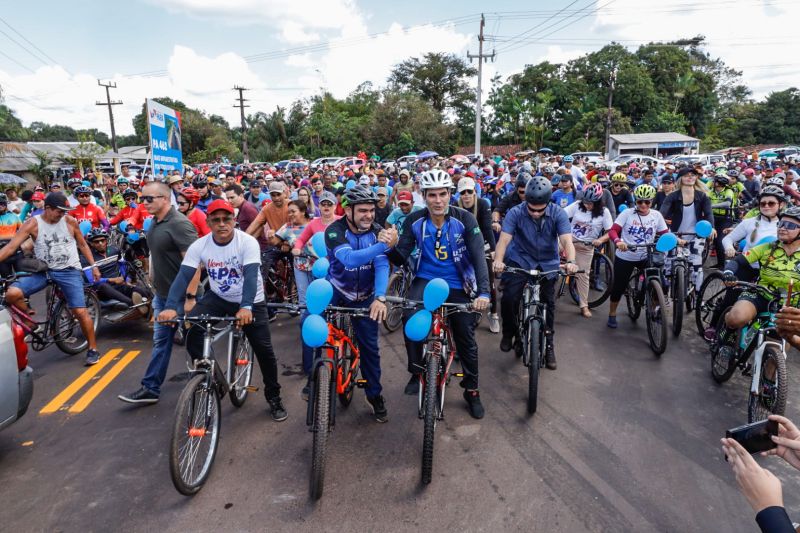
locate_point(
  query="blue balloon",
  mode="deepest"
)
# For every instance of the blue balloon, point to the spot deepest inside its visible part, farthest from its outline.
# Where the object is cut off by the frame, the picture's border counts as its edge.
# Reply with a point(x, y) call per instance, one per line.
point(262, 196)
point(86, 183)
point(132, 237)
point(315, 331)
point(742, 244)
point(768, 239)
point(318, 296)
point(419, 325)
point(147, 223)
point(318, 243)
point(123, 225)
point(703, 229)
point(435, 294)
point(666, 242)
point(85, 227)
point(622, 207)
point(320, 268)
point(349, 185)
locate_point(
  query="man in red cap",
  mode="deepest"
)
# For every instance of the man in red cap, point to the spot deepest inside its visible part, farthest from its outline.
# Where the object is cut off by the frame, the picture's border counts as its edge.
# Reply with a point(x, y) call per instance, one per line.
point(232, 259)
point(405, 201)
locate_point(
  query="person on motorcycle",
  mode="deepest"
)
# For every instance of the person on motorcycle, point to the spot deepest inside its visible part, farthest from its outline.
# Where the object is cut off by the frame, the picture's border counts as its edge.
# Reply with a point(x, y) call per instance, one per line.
point(86, 211)
point(187, 202)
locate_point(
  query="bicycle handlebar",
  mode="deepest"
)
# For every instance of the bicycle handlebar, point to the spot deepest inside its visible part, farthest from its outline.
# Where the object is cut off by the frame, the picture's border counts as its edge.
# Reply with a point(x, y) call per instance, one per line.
point(356, 311)
point(199, 318)
point(760, 288)
point(539, 273)
point(414, 304)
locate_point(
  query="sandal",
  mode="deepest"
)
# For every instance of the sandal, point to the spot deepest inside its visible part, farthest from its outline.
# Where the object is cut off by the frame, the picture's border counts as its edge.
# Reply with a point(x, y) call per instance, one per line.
point(585, 312)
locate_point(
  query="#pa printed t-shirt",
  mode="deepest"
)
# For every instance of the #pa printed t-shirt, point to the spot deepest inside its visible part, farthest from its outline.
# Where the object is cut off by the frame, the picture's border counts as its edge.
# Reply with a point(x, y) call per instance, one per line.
point(584, 225)
point(638, 229)
point(225, 264)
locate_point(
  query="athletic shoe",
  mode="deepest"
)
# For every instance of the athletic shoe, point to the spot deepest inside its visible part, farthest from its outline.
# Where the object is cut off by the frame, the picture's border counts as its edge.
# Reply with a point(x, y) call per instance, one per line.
point(474, 404)
point(92, 357)
point(277, 410)
point(412, 387)
point(494, 323)
point(378, 408)
point(612, 322)
point(141, 396)
point(550, 355)
point(505, 344)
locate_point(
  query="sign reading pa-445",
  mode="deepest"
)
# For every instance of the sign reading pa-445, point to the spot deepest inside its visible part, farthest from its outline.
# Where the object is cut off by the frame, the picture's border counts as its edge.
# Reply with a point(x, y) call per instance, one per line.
point(164, 124)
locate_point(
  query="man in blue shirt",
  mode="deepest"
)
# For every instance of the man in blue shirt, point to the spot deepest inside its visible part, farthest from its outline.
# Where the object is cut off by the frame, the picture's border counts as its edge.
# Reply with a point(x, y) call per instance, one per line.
point(529, 239)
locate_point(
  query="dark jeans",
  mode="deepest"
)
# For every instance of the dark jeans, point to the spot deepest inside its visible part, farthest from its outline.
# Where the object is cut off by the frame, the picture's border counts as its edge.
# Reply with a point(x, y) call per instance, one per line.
point(622, 274)
point(462, 328)
point(513, 285)
point(121, 293)
point(257, 333)
point(721, 224)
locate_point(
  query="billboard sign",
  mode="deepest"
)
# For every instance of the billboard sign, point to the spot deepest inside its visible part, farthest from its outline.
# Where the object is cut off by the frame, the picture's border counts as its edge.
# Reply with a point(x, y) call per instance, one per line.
point(164, 125)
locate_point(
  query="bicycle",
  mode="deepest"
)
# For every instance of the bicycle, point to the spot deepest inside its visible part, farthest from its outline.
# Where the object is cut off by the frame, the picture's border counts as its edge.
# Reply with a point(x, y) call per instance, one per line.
point(759, 339)
point(60, 326)
point(645, 289)
point(279, 282)
point(338, 357)
point(681, 283)
point(438, 354)
point(195, 431)
point(398, 285)
point(601, 278)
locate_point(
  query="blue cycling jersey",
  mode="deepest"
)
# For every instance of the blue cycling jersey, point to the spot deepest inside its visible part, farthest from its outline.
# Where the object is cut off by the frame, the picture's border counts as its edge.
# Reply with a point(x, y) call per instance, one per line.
point(359, 266)
point(437, 250)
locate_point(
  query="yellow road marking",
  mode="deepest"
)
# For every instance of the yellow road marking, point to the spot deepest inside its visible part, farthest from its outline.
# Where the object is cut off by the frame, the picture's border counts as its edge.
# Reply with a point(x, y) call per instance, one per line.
point(84, 401)
point(57, 402)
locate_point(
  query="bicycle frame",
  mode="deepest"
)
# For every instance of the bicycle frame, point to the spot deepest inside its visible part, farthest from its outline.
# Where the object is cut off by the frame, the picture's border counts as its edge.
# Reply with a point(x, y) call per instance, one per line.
point(441, 340)
point(39, 341)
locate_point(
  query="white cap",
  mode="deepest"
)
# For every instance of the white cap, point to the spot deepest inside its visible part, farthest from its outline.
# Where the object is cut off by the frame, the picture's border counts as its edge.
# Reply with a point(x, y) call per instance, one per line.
point(363, 180)
point(466, 184)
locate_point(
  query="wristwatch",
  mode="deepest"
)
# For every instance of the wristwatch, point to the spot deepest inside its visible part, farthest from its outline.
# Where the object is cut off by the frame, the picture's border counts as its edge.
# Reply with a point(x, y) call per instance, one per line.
point(381, 299)
point(190, 296)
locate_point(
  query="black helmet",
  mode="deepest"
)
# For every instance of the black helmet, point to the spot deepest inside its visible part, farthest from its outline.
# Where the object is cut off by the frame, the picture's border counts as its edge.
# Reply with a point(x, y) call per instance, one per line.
point(360, 194)
point(82, 189)
point(522, 179)
point(772, 190)
point(200, 181)
point(538, 190)
point(792, 212)
point(97, 233)
point(127, 193)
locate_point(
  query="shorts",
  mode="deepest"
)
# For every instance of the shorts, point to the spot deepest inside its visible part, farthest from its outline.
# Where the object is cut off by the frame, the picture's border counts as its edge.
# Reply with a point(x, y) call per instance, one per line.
point(69, 280)
point(759, 302)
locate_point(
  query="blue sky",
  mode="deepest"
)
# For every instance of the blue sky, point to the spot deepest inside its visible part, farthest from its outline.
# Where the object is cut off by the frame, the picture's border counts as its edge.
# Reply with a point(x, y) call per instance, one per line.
point(196, 50)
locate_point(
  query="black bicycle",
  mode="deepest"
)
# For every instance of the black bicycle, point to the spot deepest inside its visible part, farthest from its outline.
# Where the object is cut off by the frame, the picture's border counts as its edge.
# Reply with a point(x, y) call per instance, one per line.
point(601, 278)
point(399, 283)
point(645, 289)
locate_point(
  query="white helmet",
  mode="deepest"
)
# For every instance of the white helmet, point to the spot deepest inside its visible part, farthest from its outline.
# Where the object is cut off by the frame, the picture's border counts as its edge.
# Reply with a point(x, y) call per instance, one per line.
point(435, 179)
point(466, 184)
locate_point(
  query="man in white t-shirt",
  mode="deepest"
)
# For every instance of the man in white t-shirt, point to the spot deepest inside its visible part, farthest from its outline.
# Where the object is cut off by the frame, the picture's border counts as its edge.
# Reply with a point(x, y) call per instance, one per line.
point(232, 259)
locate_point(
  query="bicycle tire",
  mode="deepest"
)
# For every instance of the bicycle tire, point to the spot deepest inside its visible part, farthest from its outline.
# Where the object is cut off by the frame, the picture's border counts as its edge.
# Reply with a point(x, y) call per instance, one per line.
point(320, 429)
point(430, 414)
point(196, 418)
point(632, 296)
point(65, 328)
point(394, 313)
point(678, 290)
point(760, 406)
point(242, 372)
point(723, 356)
point(533, 361)
point(708, 299)
point(348, 368)
point(654, 315)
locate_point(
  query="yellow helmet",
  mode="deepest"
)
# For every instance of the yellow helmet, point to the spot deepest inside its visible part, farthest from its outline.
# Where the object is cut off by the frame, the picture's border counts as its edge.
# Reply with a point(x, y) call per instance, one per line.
point(620, 177)
point(644, 192)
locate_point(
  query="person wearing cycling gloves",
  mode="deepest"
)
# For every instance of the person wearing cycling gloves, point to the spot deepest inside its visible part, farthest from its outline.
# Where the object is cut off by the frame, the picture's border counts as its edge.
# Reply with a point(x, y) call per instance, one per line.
point(187, 200)
point(590, 220)
point(200, 183)
point(450, 247)
point(620, 193)
point(532, 233)
point(469, 200)
point(510, 200)
point(86, 211)
point(359, 273)
point(115, 286)
point(633, 227)
point(779, 262)
point(722, 202)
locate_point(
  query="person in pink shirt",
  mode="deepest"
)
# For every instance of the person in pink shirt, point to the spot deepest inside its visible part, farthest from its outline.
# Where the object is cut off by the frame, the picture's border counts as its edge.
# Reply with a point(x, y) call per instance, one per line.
point(327, 208)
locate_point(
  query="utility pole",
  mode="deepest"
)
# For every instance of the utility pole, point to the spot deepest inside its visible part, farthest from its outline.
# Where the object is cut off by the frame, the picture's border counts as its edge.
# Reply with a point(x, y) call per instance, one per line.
point(241, 107)
point(480, 57)
point(109, 103)
point(611, 82)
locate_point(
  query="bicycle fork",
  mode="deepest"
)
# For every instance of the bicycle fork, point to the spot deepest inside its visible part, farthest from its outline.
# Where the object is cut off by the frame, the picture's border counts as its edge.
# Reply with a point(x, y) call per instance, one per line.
point(757, 358)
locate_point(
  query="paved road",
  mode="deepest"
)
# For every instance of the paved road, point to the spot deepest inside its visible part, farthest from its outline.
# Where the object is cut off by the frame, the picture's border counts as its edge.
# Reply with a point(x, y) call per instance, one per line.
point(622, 441)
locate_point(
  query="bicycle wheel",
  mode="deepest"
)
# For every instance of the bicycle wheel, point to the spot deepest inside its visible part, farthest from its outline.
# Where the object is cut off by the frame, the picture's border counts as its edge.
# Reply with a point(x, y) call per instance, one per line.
point(430, 413)
point(242, 371)
point(772, 386)
point(195, 436)
point(65, 328)
point(601, 279)
point(654, 315)
point(320, 428)
point(632, 296)
point(678, 290)
point(533, 356)
point(394, 313)
point(723, 354)
point(709, 298)
point(349, 366)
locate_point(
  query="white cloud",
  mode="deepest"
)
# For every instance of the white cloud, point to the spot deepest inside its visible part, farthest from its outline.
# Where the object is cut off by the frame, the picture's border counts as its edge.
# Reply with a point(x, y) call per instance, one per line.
point(300, 60)
point(294, 33)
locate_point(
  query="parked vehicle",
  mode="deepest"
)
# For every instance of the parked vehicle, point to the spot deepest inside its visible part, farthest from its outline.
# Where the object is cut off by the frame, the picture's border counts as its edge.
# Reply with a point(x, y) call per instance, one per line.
point(590, 157)
point(354, 163)
point(639, 159)
point(406, 160)
point(16, 377)
point(322, 161)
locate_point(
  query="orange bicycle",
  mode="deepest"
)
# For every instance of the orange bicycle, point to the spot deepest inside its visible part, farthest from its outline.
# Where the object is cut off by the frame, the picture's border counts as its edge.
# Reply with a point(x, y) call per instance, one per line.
point(338, 357)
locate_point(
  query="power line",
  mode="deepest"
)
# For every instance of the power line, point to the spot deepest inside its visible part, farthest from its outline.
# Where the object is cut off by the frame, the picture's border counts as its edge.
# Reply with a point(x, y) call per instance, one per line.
point(10, 38)
point(28, 41)
point(18, 63)
point(544, 22)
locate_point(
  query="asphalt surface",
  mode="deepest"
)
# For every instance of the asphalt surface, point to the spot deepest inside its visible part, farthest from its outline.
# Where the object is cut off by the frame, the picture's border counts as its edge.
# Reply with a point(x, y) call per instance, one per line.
point(622, 441)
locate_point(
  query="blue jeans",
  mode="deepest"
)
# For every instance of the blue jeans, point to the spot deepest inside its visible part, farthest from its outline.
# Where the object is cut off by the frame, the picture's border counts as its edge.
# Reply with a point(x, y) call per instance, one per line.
point(162, 350)
point(303, 279)
point(69, 280)
point(366, 337)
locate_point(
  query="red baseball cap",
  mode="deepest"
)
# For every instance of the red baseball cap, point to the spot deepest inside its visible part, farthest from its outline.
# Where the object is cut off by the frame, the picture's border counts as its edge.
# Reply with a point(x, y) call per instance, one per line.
point(405, 197)
point(37, 196)
point(220, 204)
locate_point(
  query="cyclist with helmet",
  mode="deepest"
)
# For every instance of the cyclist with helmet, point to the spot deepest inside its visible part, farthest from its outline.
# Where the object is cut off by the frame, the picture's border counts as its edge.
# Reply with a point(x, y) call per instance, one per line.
point(590, 220)
point(86, 210)
point(359, 273)
point(620, 193)
point(633, 227)
point(113, 286)
point(200, 184)
point(129, 196)
point(510, 200)
point(722, 201)
point(532, 233)
point(577, 175)
point(451, 247)
point(764, 224)
point(117, 200)
point(187, 202)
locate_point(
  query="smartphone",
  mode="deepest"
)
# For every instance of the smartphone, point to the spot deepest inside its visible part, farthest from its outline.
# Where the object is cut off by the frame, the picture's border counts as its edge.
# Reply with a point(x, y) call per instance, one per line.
point(755, 437)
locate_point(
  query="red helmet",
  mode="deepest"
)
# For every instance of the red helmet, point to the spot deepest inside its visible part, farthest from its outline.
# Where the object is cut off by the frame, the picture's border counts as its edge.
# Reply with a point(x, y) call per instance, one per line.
point(191, 194)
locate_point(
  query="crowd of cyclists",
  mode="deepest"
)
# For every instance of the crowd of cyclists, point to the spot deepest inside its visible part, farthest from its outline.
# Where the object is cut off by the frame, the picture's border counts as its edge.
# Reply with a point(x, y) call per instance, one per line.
point(217, 233)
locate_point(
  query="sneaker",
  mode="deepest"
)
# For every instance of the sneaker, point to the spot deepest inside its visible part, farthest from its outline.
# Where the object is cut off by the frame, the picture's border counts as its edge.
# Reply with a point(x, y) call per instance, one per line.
point(550, 354)
point(710, 334)
point(474, 404)
point(279, 413)
point(412, 387)
point(139, 302)
point(305, 392)
point(505, 344)
point(273, 317)
point(612, 322)
point(141, 396)
point(378, 408)
point(494, 323)
point(92, 357)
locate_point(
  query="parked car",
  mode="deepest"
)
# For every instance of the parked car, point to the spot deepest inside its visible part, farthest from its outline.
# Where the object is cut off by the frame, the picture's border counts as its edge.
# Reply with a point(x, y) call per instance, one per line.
point(388, 165)
point(406, 161)
point(788, 152)
point(590, 157)
point(322, 161)
point(639, 159)
point(16, 377)
point(297, 164)
point(354, 163)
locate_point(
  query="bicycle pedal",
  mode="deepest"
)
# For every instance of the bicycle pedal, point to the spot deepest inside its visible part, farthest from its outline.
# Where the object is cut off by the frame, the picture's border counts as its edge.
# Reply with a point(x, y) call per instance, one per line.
point(251, 388)
point(361, 383)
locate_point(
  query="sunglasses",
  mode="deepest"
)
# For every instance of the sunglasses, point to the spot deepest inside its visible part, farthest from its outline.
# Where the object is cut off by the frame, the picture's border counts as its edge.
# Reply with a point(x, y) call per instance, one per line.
point(325, 204)
point(84, 195)
point(646, 202)
point(468, 192)
point(785, 224)
point(220, 220)
point(534, 210)
point(149, 199)
point(183, 203)
point(616, 185)
point(767, 204)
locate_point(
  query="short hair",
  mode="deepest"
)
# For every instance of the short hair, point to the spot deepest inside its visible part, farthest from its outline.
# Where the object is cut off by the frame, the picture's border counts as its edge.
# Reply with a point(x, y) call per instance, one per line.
point(235, 187)
point(27, 195)
point(162, 187)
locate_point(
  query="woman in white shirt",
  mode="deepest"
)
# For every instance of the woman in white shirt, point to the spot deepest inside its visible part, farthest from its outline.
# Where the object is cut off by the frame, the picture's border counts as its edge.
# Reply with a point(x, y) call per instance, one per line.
point(771, 201)
point(590, 220)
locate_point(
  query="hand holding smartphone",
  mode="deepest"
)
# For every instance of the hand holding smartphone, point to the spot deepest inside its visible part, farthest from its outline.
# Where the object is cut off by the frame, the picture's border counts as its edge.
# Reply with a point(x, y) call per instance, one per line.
point(755, 437)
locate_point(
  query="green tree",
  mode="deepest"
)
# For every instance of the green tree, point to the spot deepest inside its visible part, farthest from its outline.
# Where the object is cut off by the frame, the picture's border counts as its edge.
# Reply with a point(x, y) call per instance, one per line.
point(442, 80)
point(42, 169)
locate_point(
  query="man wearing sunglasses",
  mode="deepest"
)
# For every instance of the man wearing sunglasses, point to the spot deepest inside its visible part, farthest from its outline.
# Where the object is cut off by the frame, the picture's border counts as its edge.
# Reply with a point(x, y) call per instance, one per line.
point(87, 211)
point(532, 233)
